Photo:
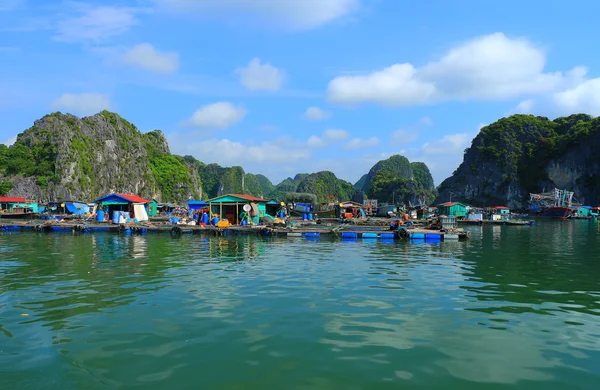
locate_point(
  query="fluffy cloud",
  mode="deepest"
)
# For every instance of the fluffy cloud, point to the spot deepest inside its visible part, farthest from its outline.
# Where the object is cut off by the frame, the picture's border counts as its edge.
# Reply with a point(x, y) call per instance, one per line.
point(95, 24)
point(278, 158)
point(489, 67)
point(448, 144)
point(82, 103)
point(329, 136)
point(261, 77)
point(582, 98)
point(294, 14)
point(216, 116)
point(359, 143)
point(145, 56)
point(316, 114)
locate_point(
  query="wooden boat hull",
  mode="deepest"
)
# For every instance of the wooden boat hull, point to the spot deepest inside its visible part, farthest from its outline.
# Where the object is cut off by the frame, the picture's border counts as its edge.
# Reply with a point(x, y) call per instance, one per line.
point(556, 212)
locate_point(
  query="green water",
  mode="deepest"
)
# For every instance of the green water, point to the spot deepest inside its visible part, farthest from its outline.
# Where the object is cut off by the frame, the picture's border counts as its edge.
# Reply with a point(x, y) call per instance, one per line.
point(514, 308)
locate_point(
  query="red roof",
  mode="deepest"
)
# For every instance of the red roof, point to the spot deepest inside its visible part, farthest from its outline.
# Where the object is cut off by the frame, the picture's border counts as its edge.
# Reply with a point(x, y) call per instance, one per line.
point(500, 207)
point(249, 197)
point(12, 200)
point(448, 204)
point(134, 198)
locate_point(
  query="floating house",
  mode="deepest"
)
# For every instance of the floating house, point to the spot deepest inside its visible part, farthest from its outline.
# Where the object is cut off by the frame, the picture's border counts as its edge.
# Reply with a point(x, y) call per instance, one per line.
point(17, 207)
point(194, 205)
point(455, 209)
point(127, 203)
point(152, 208)
point(385, 210)
point(351, 210)
point(586, 212)
point(276, 208)
point(426, 212)
point(231, 207)
point(502, 210)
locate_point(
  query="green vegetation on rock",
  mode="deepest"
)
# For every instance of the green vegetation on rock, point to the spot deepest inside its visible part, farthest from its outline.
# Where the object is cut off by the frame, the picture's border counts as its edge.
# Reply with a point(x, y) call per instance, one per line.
point(326, 186)
point(397, 180)
point(514, 156)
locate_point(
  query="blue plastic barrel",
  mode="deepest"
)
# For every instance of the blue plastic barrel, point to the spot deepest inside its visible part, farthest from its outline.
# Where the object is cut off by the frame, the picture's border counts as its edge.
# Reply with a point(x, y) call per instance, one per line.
point(310, 216)
point(214, 221)
point(312, 234)
point(115, 217)
point(369, 235)
point(349, 235)
point(417, 236)
point(281, 214)
point(100, 216)
point(304, 216)
point(387, 236)
point(244, 222)
point(433, 237)
point(205, 218)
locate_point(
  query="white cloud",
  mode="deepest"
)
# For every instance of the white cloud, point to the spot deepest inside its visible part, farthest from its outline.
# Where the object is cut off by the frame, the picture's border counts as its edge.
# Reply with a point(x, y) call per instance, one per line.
point(95, 24)
point(278, 158)
point(316, 114)
point(448, 144)
point(216, 116)
point(82, 103)
point(10, 141)
point(288, 14)
point(261, 77)
point(328, 137)
point(582, 98)
point(145, 56)
point(488, 68)
point(410, 134)
point(359, 143)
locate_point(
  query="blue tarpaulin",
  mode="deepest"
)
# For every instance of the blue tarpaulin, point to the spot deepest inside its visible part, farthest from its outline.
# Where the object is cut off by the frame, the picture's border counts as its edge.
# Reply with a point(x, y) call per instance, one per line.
point(77, 208)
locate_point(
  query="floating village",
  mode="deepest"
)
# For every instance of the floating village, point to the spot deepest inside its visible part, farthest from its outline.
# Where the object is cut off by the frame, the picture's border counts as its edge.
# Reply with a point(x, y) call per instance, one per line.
point(300, 215)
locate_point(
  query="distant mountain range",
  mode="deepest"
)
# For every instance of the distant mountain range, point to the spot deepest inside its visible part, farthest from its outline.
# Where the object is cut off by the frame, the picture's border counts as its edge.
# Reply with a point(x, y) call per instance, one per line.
point(65, 157)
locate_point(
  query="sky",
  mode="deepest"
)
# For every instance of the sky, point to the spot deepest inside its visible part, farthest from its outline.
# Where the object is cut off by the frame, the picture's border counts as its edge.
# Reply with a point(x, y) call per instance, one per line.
point(292, 86)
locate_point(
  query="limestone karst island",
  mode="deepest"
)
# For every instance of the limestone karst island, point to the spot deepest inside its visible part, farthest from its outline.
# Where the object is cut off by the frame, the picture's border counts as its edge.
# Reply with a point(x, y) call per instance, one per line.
point(299, 194)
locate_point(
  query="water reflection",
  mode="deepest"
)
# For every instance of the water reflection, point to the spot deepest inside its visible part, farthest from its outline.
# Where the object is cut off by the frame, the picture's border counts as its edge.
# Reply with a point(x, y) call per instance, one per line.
point(507, 308)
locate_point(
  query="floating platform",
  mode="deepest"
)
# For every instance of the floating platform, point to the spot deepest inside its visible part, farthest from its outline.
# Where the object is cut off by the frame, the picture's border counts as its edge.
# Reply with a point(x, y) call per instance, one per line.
point(308, 232)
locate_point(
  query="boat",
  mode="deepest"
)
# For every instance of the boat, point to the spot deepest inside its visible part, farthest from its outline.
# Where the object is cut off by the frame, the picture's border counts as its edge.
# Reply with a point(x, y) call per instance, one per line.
point(553, 204)
point(18, 208)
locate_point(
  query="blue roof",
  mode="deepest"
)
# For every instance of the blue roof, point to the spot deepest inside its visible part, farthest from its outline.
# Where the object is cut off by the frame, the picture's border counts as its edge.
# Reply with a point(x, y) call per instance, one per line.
point(197, 203)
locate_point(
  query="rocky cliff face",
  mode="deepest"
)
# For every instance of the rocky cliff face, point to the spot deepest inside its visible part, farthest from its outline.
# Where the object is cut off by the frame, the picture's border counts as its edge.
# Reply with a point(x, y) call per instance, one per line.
point(84, 158)
point(521, 154)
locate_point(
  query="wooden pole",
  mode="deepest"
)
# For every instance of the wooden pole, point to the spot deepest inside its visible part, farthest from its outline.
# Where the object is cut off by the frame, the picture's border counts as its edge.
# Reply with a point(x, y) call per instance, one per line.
point(237, 214)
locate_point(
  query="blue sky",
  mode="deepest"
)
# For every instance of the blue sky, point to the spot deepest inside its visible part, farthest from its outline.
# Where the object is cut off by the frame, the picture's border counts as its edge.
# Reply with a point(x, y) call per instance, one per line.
point(282, 87)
